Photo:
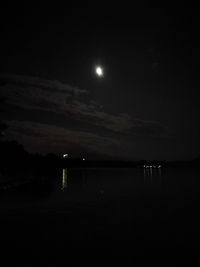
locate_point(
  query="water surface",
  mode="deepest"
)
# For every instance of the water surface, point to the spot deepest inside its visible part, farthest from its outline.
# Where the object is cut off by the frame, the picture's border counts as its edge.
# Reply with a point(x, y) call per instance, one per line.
point(114, 217)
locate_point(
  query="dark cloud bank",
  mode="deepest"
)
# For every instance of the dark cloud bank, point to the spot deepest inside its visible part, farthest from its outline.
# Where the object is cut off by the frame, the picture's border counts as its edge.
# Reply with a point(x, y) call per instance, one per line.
point(50, 116)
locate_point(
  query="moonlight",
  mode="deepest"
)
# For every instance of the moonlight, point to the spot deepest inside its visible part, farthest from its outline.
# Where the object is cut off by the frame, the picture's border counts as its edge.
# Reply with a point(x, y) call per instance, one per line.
point(99, 71)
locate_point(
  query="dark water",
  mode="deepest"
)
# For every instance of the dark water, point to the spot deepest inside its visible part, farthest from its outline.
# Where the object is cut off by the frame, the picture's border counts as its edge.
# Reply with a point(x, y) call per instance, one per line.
point(103, 217)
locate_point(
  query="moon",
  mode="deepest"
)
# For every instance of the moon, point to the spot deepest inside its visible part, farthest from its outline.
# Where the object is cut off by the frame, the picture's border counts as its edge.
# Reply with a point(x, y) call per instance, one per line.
point(99, 71)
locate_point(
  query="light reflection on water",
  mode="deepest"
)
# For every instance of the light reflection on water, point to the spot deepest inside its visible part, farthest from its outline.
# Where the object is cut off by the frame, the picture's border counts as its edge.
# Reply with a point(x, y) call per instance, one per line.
point(64, 179)
point(93, 185)
point(107, 207)
point(99, 180)
point(150, 173)
point(78, 179)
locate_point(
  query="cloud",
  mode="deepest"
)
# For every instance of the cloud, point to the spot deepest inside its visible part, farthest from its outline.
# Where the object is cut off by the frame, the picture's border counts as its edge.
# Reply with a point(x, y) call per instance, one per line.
point(59, 139)
point(43, 110)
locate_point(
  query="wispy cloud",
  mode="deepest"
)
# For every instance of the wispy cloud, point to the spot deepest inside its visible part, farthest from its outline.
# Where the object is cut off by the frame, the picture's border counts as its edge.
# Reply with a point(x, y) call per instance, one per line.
point(50, 112)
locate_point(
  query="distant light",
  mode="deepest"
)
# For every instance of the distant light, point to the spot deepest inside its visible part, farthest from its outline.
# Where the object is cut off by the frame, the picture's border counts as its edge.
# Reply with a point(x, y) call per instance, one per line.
point(83, 158)
point(99, 71)
point(65, 155)
point(159, 166)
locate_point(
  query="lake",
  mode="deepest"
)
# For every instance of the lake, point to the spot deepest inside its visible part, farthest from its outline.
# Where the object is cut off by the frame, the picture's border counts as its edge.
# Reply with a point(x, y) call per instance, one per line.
point(103, 217)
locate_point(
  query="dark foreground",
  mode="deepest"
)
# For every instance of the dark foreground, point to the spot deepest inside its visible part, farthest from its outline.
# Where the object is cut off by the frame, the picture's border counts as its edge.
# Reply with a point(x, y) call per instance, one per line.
point(102, 217)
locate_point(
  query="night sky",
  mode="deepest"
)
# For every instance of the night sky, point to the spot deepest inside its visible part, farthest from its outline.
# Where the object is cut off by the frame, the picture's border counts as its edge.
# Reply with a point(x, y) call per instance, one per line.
point(145, 107)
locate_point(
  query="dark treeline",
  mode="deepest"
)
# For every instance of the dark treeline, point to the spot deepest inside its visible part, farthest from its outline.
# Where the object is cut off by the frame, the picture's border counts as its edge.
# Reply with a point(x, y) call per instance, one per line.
point(14, 159)
point(108, 163)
